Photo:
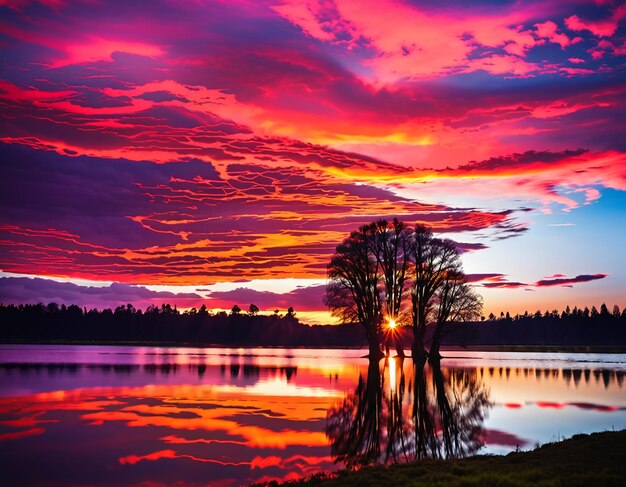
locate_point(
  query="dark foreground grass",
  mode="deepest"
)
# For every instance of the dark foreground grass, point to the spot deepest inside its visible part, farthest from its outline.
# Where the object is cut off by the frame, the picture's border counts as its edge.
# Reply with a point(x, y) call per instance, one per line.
point(583, 460)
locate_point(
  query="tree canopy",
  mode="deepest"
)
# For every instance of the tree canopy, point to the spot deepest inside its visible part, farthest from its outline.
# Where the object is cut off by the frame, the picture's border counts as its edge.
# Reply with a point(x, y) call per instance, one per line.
point(387, 273)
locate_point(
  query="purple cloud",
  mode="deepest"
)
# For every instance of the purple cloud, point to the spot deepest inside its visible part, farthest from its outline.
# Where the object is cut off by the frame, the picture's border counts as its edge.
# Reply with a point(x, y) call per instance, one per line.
point(25, 290)
point(302, 299)
point(569, 280)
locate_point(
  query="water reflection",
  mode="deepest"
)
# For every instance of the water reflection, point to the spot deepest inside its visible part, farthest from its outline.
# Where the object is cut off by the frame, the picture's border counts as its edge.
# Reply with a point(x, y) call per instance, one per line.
point(423, 412)
point(192, 416)
point(354, 427)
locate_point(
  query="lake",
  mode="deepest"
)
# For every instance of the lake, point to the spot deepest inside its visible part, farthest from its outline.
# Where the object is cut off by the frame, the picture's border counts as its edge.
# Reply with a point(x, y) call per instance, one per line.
point(104, 415)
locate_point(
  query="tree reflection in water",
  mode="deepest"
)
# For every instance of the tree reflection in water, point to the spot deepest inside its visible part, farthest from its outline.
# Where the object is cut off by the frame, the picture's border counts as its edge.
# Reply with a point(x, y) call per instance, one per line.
point(426, 413)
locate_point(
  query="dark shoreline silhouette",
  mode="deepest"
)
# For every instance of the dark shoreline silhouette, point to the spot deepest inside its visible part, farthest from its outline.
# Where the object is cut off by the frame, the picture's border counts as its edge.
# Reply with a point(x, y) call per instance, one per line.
point(166, 325)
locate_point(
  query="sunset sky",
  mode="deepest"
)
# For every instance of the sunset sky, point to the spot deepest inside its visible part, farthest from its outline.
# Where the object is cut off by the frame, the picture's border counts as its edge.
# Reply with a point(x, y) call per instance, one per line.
point(217, 152)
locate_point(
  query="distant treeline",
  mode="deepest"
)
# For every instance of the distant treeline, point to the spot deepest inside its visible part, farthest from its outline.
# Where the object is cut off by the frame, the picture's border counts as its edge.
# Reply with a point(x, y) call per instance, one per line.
point(166, 324)
point(571, 327)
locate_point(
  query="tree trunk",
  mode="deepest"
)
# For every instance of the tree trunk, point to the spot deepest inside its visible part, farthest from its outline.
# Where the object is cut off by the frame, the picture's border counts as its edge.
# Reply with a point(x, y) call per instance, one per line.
point(399, 346)
point(418, 353)
point(375, 353)
point(434, 357)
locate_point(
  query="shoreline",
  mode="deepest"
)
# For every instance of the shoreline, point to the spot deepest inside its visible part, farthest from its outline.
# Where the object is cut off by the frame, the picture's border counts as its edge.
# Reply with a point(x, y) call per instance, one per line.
point(598, 349)
point(582, 460)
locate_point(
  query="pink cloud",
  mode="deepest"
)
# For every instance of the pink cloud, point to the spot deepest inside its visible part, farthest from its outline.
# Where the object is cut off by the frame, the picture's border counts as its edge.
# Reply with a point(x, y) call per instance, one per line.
point(540, 178)
point(413, 43)
point(549, 30)
point(341, 103)
point(503, 65)
point(600, 28)
point(605, 46)
point(577, 71)
point(98, 49)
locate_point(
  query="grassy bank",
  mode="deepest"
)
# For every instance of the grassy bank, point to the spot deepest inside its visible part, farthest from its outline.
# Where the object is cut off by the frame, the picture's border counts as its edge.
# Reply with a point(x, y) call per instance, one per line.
point(584, 460)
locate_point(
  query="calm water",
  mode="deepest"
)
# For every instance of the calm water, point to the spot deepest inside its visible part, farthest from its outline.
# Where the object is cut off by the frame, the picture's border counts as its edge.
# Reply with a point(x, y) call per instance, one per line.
point(158, 416)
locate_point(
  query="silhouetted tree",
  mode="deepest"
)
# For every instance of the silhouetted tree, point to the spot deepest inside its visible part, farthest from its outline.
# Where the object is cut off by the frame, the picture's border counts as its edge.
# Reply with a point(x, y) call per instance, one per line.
point(456, 301)
point(565, 313)
point(376, 266)
point(235, 311)
point(253, 310)
point(604, 311)
point(352, 292)
point(432, 259)
point(391, 247)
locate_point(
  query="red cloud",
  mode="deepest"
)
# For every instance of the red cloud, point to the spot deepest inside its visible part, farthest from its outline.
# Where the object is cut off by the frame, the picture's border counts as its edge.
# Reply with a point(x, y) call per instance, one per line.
point(191, 224)
point(157, 455)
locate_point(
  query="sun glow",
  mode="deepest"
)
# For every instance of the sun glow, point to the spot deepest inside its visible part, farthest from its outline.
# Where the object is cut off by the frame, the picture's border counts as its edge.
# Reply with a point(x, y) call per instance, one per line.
point(391, 324)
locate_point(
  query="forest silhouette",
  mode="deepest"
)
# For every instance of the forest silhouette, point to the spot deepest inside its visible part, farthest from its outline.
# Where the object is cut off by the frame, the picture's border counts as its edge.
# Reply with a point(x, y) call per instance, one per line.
point(166, 324)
